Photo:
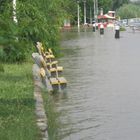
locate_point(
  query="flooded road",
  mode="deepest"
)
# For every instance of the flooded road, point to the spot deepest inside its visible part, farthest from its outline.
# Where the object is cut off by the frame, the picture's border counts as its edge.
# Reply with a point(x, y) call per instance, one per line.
point(103, 94)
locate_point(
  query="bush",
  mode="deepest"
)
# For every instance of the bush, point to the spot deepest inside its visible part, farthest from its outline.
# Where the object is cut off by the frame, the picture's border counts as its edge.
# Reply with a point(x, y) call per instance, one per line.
point(122, 29)
point(1, 68)
point(14, 52)
point(1, 53)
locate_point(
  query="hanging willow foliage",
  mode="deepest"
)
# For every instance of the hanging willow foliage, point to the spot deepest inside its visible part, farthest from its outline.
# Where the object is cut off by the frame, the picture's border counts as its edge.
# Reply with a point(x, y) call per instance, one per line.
point(129, 11)
point(37, 21)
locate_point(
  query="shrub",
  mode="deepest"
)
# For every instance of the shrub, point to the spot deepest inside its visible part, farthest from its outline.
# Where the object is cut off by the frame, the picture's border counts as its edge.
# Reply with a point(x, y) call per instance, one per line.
point(1, 68)
point(122, 29)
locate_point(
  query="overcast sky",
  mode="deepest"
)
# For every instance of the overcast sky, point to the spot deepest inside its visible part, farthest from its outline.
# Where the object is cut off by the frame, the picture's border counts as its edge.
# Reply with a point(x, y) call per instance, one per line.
point(134, 0)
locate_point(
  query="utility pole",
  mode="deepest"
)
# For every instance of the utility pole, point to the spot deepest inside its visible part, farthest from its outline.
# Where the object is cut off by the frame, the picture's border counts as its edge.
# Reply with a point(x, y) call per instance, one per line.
point(95, 9)
point(78, 19)
point(85, 12)
point(90, 15)
point(14, 11)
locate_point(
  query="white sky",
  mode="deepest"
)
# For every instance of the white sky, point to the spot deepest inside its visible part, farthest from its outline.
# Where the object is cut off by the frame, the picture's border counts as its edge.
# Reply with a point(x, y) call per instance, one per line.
point(134, 0)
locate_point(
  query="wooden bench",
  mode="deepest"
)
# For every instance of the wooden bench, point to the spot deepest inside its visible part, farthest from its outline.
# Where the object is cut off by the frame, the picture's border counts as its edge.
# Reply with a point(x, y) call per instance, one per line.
point(55, 72)
point(49, 69)
point(49, 58)
point(52, 64)
point(62, 81)
point(55, 83)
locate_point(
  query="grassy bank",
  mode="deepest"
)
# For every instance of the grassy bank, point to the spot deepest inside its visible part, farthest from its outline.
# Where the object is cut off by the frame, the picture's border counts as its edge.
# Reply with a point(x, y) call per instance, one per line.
point(17, 115)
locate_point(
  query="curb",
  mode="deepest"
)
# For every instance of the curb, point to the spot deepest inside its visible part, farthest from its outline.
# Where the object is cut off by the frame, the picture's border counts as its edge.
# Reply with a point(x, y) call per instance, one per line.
point(39, 107)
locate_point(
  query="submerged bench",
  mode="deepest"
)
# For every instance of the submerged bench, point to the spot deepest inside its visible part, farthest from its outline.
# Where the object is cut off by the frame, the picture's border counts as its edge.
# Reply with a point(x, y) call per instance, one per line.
point(48, 69)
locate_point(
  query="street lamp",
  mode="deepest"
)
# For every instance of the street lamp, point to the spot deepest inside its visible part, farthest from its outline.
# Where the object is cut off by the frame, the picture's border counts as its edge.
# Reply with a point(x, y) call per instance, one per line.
point(78, 19)
point(95, 9)
point(85, 12)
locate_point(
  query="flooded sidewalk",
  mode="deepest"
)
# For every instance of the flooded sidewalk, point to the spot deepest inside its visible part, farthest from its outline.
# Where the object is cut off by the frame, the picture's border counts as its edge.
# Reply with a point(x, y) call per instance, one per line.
point(102, 99)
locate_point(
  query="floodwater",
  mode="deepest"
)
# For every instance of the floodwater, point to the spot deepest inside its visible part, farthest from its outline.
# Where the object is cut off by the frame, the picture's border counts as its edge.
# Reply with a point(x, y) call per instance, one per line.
point(102, 101)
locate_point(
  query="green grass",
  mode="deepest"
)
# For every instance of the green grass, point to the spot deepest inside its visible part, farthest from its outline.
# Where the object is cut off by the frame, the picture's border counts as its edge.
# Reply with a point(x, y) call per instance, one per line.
point(122, 29)
point(17, 106)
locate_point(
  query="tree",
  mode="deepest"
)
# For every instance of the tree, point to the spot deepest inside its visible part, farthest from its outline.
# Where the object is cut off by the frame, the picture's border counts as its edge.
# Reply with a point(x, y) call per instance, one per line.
point(37, 21)
point(129, 11)
point(105, 4)
point(118, 3)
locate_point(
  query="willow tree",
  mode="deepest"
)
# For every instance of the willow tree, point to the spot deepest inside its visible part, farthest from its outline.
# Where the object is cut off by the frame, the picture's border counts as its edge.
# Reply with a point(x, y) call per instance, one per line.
point(105, 4)
point(37, 21)
point(118, 3)
point(129, 11)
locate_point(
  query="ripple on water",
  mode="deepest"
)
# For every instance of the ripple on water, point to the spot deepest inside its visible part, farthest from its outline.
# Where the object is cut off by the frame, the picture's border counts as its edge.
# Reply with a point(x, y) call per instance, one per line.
point(102, 100)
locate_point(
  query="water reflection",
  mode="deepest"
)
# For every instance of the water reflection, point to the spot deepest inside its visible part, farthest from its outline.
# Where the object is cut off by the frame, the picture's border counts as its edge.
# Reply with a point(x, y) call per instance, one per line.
point(102, 99)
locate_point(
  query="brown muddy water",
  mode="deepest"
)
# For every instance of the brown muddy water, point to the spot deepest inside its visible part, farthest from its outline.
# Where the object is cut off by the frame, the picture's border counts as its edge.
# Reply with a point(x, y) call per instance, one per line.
point(102, 101)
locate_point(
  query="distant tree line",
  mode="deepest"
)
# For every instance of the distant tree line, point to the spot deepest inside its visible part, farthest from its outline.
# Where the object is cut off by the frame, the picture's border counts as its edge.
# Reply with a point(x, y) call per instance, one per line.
point(129, 11)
